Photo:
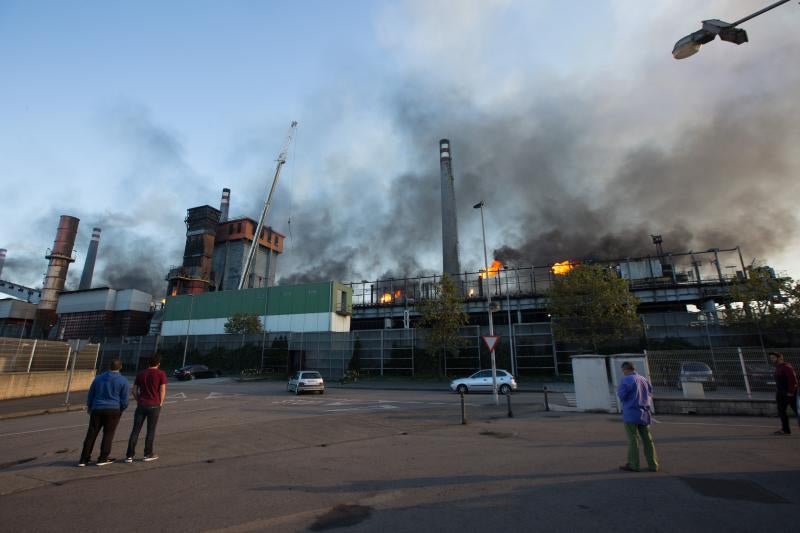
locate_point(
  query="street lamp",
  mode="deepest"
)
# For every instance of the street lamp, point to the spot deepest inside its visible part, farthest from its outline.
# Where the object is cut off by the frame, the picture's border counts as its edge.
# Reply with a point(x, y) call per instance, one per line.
point(727, 31)
point(480, 205)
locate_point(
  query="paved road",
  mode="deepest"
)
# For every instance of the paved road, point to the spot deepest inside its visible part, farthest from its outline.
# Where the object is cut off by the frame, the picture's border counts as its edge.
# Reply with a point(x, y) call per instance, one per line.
point(250, 457)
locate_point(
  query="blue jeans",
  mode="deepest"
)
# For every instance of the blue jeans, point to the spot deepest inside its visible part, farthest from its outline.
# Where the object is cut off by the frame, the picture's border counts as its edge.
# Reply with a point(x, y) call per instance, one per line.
point(149, 413)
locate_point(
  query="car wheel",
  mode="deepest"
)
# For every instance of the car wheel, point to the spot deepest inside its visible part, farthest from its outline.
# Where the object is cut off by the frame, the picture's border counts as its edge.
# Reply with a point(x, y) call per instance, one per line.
point(322, 392)
point(505, 389)
point(218, 373)
point(297, 391)
point(462, 389)
point(191, 377)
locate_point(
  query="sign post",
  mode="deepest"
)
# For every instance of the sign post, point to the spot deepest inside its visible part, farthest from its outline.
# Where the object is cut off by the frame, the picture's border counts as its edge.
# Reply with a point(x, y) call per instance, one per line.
point(491, 341)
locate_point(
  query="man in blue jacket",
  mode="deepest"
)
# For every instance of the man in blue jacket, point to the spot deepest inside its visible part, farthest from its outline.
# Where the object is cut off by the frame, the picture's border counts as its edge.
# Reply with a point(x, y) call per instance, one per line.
point(635, 394)
point(108, 397)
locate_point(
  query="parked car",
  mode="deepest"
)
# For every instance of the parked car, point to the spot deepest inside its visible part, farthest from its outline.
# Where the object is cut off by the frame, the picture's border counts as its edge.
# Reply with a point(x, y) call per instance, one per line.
point(761, 377)
point(696, 372)
point(306, 380)
point(481, 381)
point(196, 372)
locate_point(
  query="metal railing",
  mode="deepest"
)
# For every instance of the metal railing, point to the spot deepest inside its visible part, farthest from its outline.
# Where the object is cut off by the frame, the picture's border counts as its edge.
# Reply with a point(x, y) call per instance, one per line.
point(36, 355)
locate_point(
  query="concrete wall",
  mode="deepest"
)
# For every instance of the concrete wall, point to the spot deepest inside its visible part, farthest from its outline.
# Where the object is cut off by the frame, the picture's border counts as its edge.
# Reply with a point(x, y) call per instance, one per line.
point(712, 407)
point(23, 385)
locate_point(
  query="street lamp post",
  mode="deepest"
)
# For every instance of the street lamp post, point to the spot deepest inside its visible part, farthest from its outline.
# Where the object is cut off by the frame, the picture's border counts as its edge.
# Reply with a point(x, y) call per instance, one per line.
point(188, 325)
point(488, 303)
point(727, 31)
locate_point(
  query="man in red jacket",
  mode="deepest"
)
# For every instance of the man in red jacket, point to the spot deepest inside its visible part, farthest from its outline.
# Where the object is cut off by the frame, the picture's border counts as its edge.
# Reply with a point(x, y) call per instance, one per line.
point(149, 389)
point(786, 390)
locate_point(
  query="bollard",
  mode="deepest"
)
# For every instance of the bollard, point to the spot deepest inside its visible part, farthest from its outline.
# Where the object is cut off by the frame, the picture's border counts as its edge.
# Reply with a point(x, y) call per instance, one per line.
point(463, 411)
point(546, 403)
point(508, 400)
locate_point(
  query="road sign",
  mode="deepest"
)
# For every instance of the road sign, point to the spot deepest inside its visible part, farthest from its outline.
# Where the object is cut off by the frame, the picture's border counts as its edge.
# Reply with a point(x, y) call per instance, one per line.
point(490, 341)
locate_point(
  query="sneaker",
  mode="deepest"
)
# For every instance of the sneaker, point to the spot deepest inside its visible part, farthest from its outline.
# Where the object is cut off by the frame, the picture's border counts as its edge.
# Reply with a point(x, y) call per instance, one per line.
point(628, 468)
point(654, 469)
point(148, 458)
point(103, 462)
point(781, 432)
point(82, 464)
point(129, 459)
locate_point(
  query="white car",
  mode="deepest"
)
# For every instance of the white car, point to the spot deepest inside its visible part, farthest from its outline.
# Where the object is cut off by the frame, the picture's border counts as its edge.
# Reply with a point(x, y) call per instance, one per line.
point(306, 380)
point(481, 381)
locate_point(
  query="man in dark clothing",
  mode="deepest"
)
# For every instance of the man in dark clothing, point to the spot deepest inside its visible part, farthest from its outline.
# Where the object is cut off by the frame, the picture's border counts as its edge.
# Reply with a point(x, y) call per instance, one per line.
point(149, 389)
point(785, 390)
point(108, 397)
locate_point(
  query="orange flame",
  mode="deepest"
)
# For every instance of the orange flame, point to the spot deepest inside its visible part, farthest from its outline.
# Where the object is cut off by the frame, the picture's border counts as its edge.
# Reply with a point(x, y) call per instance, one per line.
point(388, 297)
point(559, 269)
point(494, 268)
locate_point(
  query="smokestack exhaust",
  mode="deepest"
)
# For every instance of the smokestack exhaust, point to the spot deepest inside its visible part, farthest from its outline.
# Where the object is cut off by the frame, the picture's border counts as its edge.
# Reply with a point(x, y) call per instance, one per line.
point(88, 266)
point(450, 262)
point(224, 205)
point(2, 260)
point(60, 257)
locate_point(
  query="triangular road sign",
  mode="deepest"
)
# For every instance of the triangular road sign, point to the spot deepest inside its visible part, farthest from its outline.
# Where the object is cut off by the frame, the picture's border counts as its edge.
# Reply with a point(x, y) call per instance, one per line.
point(490, 341)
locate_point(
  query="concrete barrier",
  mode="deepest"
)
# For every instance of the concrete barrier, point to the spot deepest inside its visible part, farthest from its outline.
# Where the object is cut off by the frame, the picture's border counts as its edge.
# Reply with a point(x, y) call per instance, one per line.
point(26, 384)
point(715, 407)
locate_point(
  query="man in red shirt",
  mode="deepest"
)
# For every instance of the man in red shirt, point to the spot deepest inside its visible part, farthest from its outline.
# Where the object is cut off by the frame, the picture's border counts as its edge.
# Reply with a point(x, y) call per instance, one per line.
point(786, 390)
point(149, 389)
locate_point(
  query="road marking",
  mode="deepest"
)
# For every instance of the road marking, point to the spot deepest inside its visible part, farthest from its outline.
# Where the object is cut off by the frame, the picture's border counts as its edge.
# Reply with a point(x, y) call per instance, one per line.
point(366, 408)
point(177, 396)
point(213, 395)
point(41, 430)
point(711, 424)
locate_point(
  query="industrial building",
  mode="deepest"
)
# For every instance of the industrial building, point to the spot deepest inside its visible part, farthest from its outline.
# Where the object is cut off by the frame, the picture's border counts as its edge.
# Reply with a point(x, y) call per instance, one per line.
point(299, 308)
point(217, 250)
point(16, 317)
point(103, 312)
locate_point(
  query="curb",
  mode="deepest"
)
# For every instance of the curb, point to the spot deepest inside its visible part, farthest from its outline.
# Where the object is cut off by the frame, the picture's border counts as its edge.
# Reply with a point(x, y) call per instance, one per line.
point(48, 411)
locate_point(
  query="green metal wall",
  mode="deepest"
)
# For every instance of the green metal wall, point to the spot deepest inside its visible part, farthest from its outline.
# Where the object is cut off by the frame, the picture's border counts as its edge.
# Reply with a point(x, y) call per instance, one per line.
point(280, 300)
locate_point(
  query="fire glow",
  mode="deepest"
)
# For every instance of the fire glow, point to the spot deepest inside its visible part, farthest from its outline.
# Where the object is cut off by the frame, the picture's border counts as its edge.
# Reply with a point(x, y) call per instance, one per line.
point(494, 268)
point(559, 269)
point(388, 298)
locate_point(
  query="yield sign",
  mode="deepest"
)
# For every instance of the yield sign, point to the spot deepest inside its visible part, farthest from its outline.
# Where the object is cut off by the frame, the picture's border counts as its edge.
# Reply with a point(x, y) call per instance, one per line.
point(490, 341)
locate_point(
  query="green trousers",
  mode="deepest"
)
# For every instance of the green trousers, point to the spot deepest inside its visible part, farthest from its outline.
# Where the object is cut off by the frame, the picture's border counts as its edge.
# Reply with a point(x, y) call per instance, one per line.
point(636, 432)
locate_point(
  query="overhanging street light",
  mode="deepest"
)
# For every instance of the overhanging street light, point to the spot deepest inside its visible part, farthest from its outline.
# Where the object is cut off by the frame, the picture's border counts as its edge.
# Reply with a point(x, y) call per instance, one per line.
point(480, 205)
point(727, 31)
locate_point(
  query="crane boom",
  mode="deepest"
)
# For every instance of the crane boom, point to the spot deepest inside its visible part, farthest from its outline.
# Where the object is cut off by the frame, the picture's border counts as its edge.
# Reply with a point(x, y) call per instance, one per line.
point(254, 246)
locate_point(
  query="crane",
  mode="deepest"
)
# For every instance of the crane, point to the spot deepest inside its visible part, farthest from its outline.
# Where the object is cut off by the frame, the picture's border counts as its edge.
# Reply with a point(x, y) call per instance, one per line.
point(253, 247)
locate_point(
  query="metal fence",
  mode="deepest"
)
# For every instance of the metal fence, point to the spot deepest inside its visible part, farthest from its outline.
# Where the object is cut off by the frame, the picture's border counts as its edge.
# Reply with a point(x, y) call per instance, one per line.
point(723, 371)
point(34, 355)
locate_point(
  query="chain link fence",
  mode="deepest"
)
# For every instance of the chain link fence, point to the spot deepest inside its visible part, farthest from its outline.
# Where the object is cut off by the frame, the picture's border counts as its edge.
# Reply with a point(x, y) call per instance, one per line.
point(724, 371)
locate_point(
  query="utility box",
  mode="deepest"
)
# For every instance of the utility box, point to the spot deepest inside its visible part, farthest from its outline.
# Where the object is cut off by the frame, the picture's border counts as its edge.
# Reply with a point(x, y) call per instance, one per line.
point(591, 383)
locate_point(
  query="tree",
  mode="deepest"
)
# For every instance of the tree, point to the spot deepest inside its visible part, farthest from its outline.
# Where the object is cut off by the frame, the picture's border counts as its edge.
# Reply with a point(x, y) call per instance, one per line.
point(592, 305)
point(243, 323)
point(769, 302)
point(444, 314)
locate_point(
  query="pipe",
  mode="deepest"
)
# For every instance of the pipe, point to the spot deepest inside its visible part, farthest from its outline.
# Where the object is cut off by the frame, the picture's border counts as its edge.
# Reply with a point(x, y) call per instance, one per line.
point(60, 257)
point(224, 205)
point(450, 262)
point(2, 260)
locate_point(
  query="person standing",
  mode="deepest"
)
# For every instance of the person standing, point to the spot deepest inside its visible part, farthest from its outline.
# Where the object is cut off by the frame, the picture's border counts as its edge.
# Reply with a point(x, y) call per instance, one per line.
point(785, 391)
point(635, 394)
point(107, 399)
point(149, 389)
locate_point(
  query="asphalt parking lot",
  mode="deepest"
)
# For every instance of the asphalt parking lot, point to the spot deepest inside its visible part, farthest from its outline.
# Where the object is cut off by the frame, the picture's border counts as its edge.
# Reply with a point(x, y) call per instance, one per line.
point(251, 457)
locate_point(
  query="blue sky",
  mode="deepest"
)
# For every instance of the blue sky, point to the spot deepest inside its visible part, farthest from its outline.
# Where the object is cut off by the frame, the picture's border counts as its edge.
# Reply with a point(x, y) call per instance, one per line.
point(571, 119)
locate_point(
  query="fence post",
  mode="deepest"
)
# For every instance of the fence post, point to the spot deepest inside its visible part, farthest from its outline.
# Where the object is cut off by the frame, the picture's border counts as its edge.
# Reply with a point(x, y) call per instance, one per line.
point(744, 373)
point(381, 352)
point(33, 351)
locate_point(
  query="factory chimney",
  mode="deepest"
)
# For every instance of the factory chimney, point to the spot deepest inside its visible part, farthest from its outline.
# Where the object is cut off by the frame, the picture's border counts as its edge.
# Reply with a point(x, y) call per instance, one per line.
point(2, 260)
point(88, 266)
point(60, 257)
point(223, 206)
point(450, 263)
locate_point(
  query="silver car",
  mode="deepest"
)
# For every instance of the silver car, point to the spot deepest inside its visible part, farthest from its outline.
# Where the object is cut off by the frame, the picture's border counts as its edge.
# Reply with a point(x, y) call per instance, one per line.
point(306, 380)
point(696, 372)
point(481, 381)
